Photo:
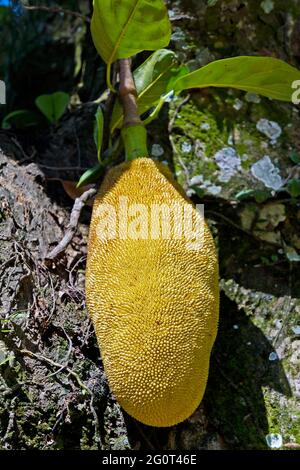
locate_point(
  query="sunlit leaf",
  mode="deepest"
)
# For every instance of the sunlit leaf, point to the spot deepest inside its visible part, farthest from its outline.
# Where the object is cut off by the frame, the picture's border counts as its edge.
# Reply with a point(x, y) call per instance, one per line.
point(121, 29)
point(91, 175)
point(154, 114)
point(263, 75)
point(244, 194)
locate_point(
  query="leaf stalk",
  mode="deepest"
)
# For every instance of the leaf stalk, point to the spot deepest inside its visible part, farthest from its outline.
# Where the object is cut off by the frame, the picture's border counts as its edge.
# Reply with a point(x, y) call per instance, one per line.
point(133, 131)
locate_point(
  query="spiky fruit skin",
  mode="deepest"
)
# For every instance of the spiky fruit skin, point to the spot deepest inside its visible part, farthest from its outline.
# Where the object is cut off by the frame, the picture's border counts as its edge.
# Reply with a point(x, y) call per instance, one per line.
point(154, 302)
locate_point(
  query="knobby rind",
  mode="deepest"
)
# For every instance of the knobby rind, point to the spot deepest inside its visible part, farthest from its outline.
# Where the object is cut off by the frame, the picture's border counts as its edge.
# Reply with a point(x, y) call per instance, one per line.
point(154, 302)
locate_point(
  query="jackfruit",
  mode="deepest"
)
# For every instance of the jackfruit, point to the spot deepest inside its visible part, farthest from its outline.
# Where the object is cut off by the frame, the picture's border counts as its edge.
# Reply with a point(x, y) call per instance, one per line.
point(153, 297)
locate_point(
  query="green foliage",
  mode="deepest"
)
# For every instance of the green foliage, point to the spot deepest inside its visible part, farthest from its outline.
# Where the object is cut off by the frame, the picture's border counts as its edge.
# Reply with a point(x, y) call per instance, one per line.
point(259, 195)
point(20, 119)
point(199, 191)
point(122, 29)
point(91, 175)
point(154, 78)
point(295, 157)
point(163, 99)
point(53, 106)
point(269, 261)
point(244, 194)
point(263, 75)
point(98, 131)
point(294, 187)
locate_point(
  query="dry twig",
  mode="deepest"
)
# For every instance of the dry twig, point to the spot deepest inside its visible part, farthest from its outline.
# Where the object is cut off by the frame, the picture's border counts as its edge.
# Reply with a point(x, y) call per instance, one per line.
point(72, 226)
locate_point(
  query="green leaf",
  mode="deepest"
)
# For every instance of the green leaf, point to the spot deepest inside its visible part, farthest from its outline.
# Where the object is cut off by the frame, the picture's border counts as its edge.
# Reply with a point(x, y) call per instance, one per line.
point(98, 131)
point(294, 187)
point(121, 29)
point(91, 175)
point(261, 195)
point(244, 194)
point(199, 191)
point(154, 114)
point(263, 75)
point(53, 106)
point(153, 78)
point(295, 157)
point(20, 119)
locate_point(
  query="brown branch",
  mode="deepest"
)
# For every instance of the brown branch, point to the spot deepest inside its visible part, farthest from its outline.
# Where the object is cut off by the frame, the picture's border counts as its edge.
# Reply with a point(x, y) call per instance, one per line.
point(128, 94)
point(72, 226)
point(57, 10)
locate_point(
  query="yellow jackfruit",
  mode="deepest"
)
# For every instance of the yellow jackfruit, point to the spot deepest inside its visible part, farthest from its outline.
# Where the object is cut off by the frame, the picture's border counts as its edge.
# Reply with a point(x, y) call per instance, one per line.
point(153, 297)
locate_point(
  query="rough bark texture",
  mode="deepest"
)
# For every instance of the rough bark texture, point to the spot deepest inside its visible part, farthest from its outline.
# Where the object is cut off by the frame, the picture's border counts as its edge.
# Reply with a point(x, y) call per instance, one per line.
point(52, 384)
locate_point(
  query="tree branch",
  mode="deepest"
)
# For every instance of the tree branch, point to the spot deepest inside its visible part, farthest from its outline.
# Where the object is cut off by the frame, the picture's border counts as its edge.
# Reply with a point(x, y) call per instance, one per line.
point(128, 94)
point(72, 226)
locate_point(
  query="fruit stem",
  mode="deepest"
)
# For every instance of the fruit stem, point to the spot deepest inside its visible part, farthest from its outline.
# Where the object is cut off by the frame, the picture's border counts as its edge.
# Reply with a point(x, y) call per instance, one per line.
point(133, 131)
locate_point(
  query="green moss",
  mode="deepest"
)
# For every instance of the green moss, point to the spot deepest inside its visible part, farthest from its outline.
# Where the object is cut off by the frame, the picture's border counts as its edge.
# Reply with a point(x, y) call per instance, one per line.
point(283, 418)
point(200, 131)
point(266, 326)
point(204, 126)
